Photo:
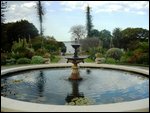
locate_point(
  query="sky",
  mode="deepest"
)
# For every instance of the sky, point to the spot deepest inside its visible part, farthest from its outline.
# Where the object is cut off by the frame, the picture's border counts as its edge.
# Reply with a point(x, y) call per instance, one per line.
point(60, 16)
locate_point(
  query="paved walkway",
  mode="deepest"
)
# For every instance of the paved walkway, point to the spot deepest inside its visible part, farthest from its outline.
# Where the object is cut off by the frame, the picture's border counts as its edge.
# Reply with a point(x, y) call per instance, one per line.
point(63, 60)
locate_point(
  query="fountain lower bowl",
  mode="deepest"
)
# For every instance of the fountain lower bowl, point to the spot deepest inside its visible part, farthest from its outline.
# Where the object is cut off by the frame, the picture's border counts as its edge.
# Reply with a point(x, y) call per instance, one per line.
point(138, 105)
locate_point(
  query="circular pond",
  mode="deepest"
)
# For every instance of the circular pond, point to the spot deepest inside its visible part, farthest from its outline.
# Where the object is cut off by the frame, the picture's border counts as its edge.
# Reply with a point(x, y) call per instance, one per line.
point(51, 86)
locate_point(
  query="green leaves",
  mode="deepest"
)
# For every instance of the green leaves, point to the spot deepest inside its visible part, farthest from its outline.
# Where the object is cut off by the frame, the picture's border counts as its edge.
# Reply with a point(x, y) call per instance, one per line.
point(81, 101)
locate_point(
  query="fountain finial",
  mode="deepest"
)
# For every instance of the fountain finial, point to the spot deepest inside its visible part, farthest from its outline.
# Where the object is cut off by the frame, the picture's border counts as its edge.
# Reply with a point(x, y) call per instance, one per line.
point(76, 40)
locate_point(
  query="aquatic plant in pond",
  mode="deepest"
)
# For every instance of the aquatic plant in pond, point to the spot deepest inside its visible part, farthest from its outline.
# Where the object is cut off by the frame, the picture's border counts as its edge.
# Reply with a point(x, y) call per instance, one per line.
point(81, 101)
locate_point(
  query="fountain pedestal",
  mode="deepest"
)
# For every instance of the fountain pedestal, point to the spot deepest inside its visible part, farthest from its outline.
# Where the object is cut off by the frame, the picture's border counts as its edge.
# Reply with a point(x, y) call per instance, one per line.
point(75, 75)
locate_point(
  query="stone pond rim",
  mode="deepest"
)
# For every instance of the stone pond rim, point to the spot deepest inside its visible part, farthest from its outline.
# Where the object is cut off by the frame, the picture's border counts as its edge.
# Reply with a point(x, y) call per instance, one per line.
point(138, 105)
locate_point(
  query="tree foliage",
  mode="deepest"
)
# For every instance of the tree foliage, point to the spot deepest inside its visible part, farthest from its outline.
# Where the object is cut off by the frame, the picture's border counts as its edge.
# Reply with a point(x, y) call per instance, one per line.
point(22, 29)
point(16, 30)
point(95, 33)
point(88, 43)
point(130, 35)
point(50, 44)
point(129, 38)
point(89, 24)
point(105, 37)
point(117, 38)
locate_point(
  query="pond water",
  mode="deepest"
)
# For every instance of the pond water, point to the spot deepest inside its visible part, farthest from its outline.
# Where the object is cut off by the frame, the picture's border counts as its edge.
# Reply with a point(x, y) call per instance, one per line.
point(51, 86)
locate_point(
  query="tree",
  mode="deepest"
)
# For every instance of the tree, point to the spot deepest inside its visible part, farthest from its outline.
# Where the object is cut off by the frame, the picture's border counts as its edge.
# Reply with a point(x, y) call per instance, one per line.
point(3, 9)
point(88, 43)
point(5, 44)
point(117, 38)
point(95, 33)
point(131, 35)
point(63, 47)
point(89, 24)
point(40, 12)
point(20, 29)
point(78, 31)
point(105, 37)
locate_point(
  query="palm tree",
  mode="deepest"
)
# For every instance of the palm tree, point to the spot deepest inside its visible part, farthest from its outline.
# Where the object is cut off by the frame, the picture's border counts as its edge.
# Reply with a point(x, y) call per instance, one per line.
point(3, 10)
point(40, 12)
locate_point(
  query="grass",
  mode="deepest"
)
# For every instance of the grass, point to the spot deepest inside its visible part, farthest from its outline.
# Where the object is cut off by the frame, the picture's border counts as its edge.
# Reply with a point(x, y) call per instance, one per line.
point(88, 60)
point(55, 59)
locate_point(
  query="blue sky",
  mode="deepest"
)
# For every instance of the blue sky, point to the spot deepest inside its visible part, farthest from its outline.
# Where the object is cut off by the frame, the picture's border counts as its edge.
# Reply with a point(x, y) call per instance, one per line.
point(60, 16)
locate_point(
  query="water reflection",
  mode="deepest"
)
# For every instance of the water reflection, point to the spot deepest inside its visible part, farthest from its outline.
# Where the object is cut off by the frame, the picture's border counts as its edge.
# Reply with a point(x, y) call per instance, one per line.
point(4, 87)
point(75, 91)
point(40, 83)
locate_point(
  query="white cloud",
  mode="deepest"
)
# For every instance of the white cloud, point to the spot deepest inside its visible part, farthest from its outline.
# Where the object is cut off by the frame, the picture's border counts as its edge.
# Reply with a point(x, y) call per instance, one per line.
point(49, 11)
point(47, 3)
point(26, 9)
point(71, 5)
point(138, 4)
point(20, 10)
point(28, 5)
point(141, 13)
point(114, 7)
point(126, 9)
point(138, 7)
point(12, 7)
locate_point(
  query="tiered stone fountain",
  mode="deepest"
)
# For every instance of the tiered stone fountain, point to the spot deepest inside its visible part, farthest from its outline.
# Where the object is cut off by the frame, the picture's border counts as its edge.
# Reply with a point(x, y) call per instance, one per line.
point(75, 75)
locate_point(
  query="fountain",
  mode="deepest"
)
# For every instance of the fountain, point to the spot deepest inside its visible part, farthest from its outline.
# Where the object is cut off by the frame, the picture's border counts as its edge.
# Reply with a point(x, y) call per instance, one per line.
point(47, 88)
point(75, 75)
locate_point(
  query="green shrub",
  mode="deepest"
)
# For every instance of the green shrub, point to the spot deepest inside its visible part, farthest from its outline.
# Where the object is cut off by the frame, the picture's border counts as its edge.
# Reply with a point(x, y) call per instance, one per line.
point(21, 49)
point(98, 55)
point(23, 61)
point(110, 61)
point(114, 53)
point(37, 60)
point(22, 53)
point(15, 55)
point(123, 59)
point(47, 55)
point(3, 58)
point(143, 58)
point(40, 52)
point(88, 60)
point(29, 53)
point(11, 61)
point(54, 59)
